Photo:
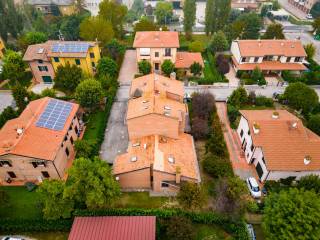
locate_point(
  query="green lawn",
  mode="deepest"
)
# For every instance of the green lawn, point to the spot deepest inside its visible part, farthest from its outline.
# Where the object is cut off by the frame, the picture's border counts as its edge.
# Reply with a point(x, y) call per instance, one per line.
point(22, 204)
point(140, 200)
point(205, 231)
point(95, 123)
point(296, 21)
point(196, 37)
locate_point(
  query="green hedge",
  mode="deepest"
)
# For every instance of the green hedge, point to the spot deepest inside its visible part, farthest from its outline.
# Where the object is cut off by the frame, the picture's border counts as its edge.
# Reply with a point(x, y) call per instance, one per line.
point(237, 229)
point(34, 225)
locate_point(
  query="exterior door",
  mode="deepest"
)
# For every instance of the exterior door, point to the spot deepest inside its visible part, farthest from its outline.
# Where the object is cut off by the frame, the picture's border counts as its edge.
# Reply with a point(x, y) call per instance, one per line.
point(156, 66)
point(47, 79)
point(259, 170)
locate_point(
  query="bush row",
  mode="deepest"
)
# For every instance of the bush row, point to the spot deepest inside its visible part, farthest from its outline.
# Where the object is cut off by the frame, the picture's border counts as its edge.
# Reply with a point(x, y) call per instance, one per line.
point(236, 228)
point(34, 225)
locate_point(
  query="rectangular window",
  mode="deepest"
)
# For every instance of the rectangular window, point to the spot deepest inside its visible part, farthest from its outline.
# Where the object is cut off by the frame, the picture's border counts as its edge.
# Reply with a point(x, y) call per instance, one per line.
point(40, 61)
point(67, 151)
point(249, 132)
point(5, 163)
point(77, 61)
point(164, 185)
point(76, 129)
point(12, 174)
point(297, 59)
point(38, 164)
point(288, 59)
point(156, 54)
point(256, 59)
point(93, 64)
point(259, 170)
point(71, 140)
point(45, 174)
point(43, 68)
point(243, 60)
point(56, 59)
point(91, 55)
point(252, 147)
point(263, 160)
point(241, 133)
point(47, 79)
point(167, 52)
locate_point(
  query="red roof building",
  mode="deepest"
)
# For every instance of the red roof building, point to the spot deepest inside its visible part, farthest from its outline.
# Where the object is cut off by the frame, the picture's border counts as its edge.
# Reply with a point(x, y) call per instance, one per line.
point(114, 228)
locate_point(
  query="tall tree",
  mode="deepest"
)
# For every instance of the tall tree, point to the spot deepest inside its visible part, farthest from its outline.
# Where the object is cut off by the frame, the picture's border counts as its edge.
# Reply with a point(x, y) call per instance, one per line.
point(55, 206)
point(107, 66)
point(89, 93)
point(274, 31)
point(189, 12)
point(247, 26)
point(191, 196)
point(218, 42)
point(21, 96)
point(164, 12)
point(91, 182)
point(292, 214)
point(145, 25)
point(217, 14)
point(13, 66)
point(316, 25)
point(67, 78)
point(96, 28)
point(310, 50)
point(115, 13)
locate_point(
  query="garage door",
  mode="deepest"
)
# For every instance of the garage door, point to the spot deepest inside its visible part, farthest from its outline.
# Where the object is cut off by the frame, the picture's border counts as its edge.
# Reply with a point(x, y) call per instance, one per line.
point(259, 170)
point(47, 79)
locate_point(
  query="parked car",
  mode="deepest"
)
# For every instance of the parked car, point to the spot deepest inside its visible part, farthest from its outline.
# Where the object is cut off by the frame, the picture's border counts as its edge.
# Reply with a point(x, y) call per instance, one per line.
point(250, 229)
point(309, 16)
point(253, 187)
point(12, 238)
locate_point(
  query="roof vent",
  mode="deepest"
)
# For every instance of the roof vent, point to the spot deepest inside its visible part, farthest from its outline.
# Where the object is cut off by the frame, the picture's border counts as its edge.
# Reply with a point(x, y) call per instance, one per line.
point(256, 128)
point(167, 108)
point(294, 125)
point(145, 101)
point(133, 159)
point(40, 50)
point(19, 131)
point(306, 160)
point(137, 144)
point(282, 44)
point(275, 115)
point(171, 159)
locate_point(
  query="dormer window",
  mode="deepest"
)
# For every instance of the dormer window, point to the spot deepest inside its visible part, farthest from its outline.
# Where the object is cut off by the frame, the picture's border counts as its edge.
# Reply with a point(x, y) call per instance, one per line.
point(4, 163)
point(134, 159)
point(167, 108)
point(136, 144)
point(171, 159)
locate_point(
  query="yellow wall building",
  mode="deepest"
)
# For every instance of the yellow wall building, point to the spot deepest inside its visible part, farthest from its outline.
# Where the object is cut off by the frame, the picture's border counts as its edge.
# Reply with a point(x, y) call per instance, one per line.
point(2, 48)
point(83, 54)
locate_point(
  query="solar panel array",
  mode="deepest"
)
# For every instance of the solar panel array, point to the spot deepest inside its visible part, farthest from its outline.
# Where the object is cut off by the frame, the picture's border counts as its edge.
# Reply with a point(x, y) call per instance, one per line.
point(55, 115)
point(70, 47)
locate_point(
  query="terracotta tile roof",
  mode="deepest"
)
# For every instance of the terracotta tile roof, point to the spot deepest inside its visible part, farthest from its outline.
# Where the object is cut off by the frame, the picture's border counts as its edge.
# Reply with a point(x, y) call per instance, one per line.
point(186, 59)
point(30, 142)
point(154, 96)
point(259, 48)
point(247, 4)
point(37, 52)
point(154, 39)
point(284, 146)
point(151, 82)
point(155, 150)
point(114, 228)
point(270, 65)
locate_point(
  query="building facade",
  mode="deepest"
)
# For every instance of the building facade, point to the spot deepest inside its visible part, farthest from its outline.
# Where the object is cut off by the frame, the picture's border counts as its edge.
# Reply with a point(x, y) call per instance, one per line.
point(278, 145)
point(44, 59)
point(160, 154)
point(2, 48)
point(44, 122)
point(54, 7)
point(158, 46)
point(303, 5)
point(268, 55)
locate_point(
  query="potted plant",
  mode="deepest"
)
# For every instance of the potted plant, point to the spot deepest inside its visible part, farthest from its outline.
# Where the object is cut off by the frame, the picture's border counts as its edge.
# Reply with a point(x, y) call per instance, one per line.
point(256, 128)
point(275, 115)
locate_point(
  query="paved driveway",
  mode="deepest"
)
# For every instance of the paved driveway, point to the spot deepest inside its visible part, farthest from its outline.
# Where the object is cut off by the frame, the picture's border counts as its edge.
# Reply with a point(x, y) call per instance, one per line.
point(6, 100)
point(116, 135)
point(239, 164)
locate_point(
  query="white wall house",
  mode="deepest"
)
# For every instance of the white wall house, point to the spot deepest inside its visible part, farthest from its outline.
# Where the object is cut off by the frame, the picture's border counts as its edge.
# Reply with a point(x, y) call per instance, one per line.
point(268, 55)
point(278, 146)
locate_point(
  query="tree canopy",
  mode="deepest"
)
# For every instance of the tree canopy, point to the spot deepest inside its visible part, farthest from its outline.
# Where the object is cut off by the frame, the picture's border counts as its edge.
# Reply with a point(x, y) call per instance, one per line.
point(301, 96)
point(189, 13)
point(217, 14)
point(67, 77)
point(91, 182)
point(218, 42)
point(13, 66)
point(238, 97)
point(310, 50)
point(89, 93)
point(144, 67)
point(314, 123)
point(55, 206)
point(107, 66)
point(11, 20)
point(96, 28)
point(145, 25)
point(292, 214)
point(167, 67)
point(191, 196)
point(163, 12)
point(274, 31)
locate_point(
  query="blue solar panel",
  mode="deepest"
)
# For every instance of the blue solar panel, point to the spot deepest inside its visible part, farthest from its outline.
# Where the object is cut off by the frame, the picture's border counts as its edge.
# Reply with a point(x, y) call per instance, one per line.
point(70, 47)
point(55, 115)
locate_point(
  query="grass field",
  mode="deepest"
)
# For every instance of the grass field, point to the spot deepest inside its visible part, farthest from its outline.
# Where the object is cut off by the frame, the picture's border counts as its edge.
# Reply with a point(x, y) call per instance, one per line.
point(95, 124)
point(140, 200)
point(21, 204)
point(196, 37)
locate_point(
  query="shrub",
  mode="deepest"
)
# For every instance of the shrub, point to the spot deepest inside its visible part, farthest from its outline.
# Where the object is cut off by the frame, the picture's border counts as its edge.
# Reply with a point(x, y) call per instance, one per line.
point(144, 67)
point(167, 67)
point(233, 113)
point(7, 114)
point(84, 148)
point(178, 228)
point(67, 77)
point(264, 101)
point(196, 68)
point(200, 128)
point(216, 166)
point(191, 196)
point(252, 97)
point(222, 64)
point(314, 123)
point(89, 93)
point(203, 104)
point(107, 66)
point(252, 207)
point(238, 97)
point(310, 182)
